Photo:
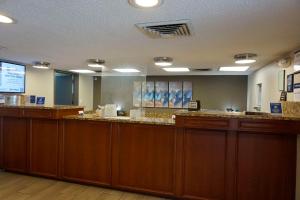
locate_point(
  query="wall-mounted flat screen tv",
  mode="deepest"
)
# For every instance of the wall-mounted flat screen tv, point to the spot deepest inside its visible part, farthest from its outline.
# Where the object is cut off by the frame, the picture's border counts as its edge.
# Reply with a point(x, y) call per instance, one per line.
point(12, 78)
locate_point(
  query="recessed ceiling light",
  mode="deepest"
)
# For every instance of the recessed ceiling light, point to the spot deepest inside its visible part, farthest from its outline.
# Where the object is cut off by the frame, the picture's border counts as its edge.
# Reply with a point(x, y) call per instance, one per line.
point(163, 61)
point(6, 20)
point(246, 58)
point(177, 69)
point(41, 65)
point(126, 70)
point(234, 69)
point(96, 63)
point(145, 3)
point(297, 67)
point(82, 71)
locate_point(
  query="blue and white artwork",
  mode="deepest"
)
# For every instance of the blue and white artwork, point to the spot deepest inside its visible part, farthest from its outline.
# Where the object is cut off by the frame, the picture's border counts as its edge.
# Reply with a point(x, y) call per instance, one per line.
point(137, 94)
point(175, 94)
point(148, 94)
point(161, 94)
point(187, 93)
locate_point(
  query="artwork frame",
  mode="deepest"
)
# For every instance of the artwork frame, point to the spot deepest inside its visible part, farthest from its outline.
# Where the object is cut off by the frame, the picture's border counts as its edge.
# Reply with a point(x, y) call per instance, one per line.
point(148, 94)
point(187, 93)
point(175, 94)
point(137, 94)
point(161, 94)
point(290, 83)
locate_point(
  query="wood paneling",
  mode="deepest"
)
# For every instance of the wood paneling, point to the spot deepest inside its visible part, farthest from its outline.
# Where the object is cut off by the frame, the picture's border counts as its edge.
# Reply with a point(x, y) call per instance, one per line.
point(204, 123)
point(269, 126)
point(201, 158)
point(38, 113)
point(144, 158)
point(204, 164)
point(266, 167)
point(15, 144)
point(10, 112)
point(86, 151)
point(44, 147)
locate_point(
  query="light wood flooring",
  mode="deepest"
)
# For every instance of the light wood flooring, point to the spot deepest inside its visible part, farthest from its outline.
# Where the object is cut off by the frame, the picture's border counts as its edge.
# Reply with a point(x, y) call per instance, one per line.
point(20, 187)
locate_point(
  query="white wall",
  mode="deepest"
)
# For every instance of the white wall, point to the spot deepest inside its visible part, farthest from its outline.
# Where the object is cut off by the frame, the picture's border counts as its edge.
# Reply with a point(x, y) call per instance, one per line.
point(268, 77)
point(86, 88)
point(41, 83)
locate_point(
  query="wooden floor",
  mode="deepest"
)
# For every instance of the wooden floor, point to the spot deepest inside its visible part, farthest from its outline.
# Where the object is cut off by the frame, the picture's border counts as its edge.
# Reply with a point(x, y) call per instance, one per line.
point(19, 187)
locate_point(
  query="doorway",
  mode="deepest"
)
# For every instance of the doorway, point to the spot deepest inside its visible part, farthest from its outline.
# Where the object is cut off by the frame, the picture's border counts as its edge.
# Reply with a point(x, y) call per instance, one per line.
point(66, 88)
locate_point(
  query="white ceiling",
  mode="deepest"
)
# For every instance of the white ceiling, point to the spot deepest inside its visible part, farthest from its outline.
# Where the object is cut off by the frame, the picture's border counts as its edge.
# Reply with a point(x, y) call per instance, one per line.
point(68, 32)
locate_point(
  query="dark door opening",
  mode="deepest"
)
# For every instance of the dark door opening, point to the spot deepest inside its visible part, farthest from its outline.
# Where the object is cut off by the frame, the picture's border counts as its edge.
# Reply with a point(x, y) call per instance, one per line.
point(66, 88)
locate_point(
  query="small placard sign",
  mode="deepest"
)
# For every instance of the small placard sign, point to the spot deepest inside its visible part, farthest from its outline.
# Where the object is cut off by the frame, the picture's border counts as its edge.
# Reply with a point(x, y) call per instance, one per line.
point(32, 98)
point(40, 100)
point(276, 108)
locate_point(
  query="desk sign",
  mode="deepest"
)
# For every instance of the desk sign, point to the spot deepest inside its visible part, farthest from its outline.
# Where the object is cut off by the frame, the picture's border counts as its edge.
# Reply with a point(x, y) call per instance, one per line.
point(194, 106)
point(40, 100)
point(276, 108)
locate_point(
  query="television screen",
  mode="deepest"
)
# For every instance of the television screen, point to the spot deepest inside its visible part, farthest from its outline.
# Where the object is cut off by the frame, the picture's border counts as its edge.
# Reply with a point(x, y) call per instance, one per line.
point(12, 78)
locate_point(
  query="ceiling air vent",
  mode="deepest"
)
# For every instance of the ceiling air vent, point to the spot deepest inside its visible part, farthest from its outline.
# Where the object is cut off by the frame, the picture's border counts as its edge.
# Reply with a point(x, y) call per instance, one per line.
point(202, 70)
point(169, 29)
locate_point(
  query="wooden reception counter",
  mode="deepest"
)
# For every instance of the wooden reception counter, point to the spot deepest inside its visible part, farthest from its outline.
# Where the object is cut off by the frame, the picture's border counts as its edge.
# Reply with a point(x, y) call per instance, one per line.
point(201, 156)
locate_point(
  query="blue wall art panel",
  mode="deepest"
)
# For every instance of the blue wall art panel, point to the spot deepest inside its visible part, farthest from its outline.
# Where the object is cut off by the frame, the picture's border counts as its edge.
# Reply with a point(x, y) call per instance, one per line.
point(137, 94)
point(187, 93)
point(148, 94)
point(175, 94)
point(161, 94)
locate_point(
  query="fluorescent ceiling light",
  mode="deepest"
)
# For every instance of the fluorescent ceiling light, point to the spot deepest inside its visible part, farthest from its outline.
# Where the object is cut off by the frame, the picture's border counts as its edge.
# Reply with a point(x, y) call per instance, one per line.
point(234, 69)
point(177, 69)
point(126, 70)
point(145, 3)
point(96, 65)
point(163, 64)
point(82, 71)
point(297, 67)
point(245, 61)
point(6, 20)
point(40, 66)
point(163, 61)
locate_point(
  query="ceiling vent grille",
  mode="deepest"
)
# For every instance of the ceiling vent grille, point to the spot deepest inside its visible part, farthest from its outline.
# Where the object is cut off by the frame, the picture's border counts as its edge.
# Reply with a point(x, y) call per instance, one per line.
point(169, 29)
point(202, 70)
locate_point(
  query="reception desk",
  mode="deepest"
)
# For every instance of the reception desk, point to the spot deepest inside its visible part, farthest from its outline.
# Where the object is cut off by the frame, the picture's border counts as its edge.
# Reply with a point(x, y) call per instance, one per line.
point(211, 156)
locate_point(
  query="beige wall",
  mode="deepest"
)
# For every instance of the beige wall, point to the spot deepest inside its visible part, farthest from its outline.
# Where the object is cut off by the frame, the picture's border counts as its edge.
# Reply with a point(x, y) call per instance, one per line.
point(268, 77)
point(214, 92)
point(41, 83)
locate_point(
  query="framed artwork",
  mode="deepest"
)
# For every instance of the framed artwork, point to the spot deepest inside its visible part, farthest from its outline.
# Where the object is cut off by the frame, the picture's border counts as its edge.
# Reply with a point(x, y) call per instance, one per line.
point(161, 94)
point(137, 94)
point(187, 93)
point(175, 94)
point(281, 80)
point(148, 94)
point(297, 83)
point(290, 83)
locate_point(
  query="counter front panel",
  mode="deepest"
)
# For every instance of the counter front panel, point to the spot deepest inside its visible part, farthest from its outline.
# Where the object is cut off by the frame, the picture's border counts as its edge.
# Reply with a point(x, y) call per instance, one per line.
point(198, 157)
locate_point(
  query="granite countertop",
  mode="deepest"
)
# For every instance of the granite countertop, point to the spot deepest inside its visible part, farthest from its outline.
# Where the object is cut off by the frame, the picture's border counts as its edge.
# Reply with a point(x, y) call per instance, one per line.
point(142, 120)
point(55, 107)
point(238, 115)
